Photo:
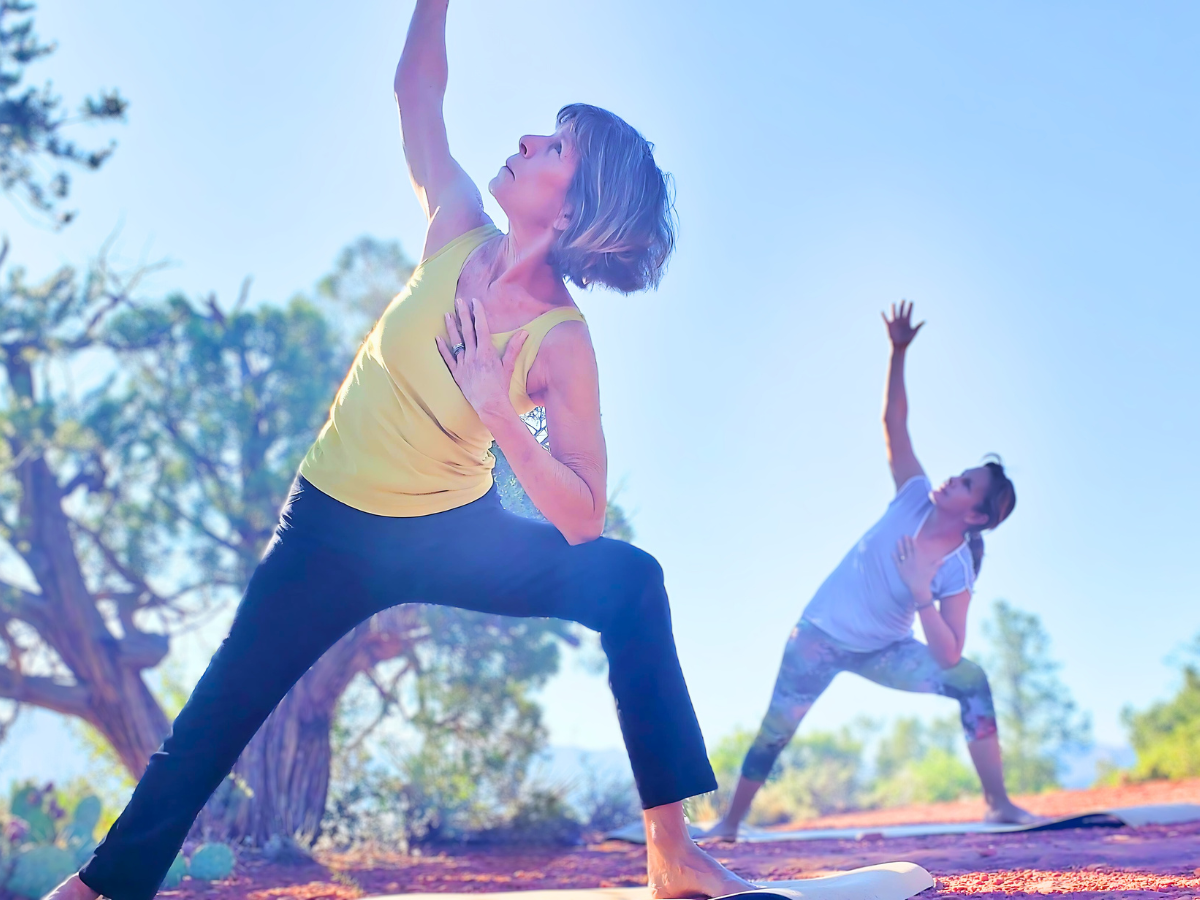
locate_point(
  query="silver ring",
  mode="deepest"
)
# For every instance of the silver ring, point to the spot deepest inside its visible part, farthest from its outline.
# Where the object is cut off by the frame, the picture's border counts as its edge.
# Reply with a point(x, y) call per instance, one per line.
point(457, 349)
point(903, 557)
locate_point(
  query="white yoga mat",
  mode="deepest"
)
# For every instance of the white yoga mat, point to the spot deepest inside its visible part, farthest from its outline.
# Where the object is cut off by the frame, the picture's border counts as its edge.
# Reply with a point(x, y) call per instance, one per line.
point(1160, 814)
point(891, 881)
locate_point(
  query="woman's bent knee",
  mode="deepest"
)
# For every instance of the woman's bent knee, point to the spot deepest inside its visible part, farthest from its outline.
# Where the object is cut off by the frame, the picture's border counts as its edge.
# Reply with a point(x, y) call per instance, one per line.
point(967, 677)
point(969, 684)
point(635, 585)
point(634, 563)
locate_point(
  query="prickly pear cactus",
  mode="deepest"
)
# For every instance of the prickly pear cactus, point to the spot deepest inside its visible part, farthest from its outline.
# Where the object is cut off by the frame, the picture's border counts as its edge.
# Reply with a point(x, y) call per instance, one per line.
point(84, 822)
point(6, 861)
point(211, 862)
point(37, 870)
point(28, 804)
point(175, 874)
point(81, 853)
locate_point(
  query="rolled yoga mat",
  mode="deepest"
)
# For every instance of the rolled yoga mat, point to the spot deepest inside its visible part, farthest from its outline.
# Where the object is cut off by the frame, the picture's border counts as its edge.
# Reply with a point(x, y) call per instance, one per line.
point(1159, 814)
point(891, 881)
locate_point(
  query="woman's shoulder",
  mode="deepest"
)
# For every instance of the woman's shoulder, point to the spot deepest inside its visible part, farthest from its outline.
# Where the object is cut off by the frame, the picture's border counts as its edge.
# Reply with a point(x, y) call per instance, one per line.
point(442, 237)
point(564, 356)
point(913, 493)
point(564, 336)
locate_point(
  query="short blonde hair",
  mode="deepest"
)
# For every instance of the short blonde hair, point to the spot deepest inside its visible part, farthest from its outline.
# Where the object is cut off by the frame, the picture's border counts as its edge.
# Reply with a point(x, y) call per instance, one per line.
point(622, 228)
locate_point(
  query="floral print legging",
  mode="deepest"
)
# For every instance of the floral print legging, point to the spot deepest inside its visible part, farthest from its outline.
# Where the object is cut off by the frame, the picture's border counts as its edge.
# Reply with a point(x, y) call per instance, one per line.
point(812, 658)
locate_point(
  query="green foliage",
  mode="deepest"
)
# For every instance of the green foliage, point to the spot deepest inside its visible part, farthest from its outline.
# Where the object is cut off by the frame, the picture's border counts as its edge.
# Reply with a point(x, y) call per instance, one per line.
point(455, 758)
point(819, 773)
point(918, 762)
point(1037, 718)
point(174, 876)
point(727, 755)
point(1166, 735)
point(606, 801)
point(38, 809)
point(368, 273)
point(33, 125)
point(36, 870)
point(540, 815)
point(214, 412)
point(40, 818)
point(827, 772)
point(211, 862)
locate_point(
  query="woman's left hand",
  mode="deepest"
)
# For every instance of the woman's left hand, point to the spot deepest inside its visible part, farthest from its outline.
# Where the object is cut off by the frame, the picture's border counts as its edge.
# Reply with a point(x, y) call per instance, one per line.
point(916, 568)
point(478, 370)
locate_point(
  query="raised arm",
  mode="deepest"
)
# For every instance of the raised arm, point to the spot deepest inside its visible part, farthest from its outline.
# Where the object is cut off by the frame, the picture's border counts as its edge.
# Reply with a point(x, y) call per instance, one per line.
point(901, 458)
point(451, 201)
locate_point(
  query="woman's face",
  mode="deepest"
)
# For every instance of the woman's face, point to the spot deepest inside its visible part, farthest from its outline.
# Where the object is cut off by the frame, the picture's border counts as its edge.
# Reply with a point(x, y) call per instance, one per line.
point(531, 187)
point(961, 494)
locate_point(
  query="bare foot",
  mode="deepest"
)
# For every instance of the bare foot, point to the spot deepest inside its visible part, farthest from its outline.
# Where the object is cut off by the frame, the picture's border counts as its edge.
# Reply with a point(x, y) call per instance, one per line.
point(72, 889)
point(722, 831)
point(1011, 814)
point(690, 873)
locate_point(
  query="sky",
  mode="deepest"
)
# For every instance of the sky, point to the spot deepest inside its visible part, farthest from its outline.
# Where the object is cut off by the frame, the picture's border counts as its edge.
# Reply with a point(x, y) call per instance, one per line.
point(1024, 172)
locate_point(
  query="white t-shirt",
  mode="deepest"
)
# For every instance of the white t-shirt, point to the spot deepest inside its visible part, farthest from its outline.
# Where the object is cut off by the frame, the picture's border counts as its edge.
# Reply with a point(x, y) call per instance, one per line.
point(864, 604)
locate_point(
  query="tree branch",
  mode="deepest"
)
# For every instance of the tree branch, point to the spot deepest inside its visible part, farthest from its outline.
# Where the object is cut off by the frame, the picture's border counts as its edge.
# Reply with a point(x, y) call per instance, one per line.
point(111, 558)
point(68, 699)
point(21, 604)
point(197, 524)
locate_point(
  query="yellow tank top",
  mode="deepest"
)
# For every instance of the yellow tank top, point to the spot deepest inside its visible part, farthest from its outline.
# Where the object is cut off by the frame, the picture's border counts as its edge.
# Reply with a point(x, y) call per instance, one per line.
point(401, 439)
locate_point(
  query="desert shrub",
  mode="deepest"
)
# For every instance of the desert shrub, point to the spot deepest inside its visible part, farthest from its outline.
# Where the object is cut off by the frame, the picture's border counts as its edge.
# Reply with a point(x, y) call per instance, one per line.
point(1166, 735)
point(606, 801)
point(820, 772)
point(540, 816)
point(918, 762)
point(1038, 719)
point(46, 833)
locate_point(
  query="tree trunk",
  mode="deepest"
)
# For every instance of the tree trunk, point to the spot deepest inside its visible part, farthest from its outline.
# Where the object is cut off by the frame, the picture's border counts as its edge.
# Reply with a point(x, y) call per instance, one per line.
point(108, 690)
point(281, 781)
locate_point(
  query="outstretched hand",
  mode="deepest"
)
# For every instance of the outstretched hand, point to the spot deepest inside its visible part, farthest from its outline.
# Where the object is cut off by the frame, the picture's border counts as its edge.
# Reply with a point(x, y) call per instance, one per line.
point(900, 327)
point(471, 357)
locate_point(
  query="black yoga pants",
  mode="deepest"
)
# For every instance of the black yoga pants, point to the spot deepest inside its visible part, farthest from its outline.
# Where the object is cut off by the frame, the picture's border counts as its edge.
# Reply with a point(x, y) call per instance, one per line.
point(328, 568)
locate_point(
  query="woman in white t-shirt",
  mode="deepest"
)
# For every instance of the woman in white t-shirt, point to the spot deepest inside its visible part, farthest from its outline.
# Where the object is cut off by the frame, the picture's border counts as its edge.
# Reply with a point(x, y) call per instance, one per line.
point(919, 560)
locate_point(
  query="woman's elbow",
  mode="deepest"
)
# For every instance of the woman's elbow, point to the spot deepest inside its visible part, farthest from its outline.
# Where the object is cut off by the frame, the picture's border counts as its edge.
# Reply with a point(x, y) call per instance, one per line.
point(406, 84)
point(402, 86)
point(948, 660)
point(583, 532)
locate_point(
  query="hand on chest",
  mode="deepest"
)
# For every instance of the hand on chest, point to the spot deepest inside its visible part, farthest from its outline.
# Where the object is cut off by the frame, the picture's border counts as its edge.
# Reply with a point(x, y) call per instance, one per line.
point(507, 306)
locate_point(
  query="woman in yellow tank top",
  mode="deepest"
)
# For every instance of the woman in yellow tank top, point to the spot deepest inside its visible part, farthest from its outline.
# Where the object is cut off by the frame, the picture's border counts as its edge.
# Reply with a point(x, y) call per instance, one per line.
point(394, 502)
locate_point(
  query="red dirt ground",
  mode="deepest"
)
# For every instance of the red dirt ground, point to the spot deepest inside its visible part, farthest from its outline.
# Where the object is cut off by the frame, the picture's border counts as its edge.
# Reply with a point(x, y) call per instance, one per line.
point(1125, 863)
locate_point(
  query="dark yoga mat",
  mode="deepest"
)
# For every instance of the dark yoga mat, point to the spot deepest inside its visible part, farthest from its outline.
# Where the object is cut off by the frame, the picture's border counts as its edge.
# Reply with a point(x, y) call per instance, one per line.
point(1161, 814)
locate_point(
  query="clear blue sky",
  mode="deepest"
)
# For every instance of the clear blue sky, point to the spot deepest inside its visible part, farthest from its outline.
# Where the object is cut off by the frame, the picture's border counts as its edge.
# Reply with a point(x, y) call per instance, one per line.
point(1026, 172)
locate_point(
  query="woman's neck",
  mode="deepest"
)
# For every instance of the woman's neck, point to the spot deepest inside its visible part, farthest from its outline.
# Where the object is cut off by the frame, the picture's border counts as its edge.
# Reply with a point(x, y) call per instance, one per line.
point(943, 530)
point(522, 260)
